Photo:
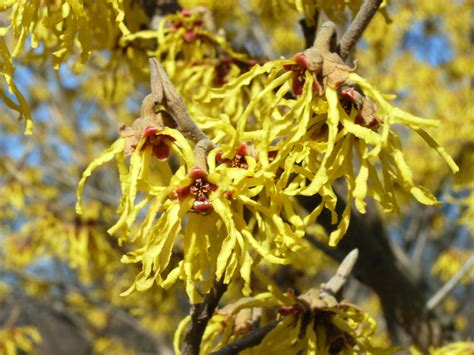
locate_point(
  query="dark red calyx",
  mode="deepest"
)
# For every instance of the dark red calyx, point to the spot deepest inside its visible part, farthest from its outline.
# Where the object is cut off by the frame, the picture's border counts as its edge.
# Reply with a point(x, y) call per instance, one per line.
point(202, 206)
point(301, 59)
point(238, 161)
point(177, 25)
point(151, 130)
point(220, 159)
point(243, 149)
point(197, 172)
point(182, 192)
point(226, 60)
point(297, 85)
point(229, 195)
point(293, 309)
point(189, 35)
point(272, 155)
point(161, 151)
point(348, 94)
point(222, 69)
point(286, 310)
point(198, 22)
point(159, 143)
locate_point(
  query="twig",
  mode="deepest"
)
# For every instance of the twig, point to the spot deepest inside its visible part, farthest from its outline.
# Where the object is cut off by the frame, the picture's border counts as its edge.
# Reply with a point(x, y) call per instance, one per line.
point(201, 313)
point(357, 27)
point(449, 286)
point(164, 93)
point(254, 338)
point(335, 283)
point(326, 40)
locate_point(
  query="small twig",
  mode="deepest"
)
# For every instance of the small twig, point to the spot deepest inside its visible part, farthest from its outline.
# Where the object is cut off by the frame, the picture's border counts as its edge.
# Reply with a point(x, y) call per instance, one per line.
point(201, 313)
point(420, 245)
point(449, 286)
point(357, 27)
point(254, 338)
point(335, 283)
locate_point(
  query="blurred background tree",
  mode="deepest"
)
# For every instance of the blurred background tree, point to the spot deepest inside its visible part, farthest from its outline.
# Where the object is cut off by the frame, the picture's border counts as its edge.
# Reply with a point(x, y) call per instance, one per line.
point(73, 71)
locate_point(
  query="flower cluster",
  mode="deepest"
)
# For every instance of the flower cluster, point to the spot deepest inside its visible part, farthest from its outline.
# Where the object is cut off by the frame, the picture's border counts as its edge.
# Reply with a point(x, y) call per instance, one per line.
point(309, 323)
point(327, 123)
point(219, 220)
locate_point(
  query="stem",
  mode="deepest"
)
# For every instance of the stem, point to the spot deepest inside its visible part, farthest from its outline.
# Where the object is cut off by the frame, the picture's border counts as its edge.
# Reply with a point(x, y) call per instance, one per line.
point(200, 153)
point(164, 93)
point(357, 27)
point(327, 38)
point(449, 286)
point(201, 313)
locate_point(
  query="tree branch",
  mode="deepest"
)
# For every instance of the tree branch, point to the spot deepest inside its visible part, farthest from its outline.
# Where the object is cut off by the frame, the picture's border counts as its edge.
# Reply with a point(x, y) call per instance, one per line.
point(357, 27)
point(159, 7)
point(449, 286)
point(201, 313)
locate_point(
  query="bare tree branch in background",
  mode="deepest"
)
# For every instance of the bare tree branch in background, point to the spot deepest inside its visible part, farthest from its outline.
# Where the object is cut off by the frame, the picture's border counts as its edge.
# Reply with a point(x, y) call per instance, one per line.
point(450, 284)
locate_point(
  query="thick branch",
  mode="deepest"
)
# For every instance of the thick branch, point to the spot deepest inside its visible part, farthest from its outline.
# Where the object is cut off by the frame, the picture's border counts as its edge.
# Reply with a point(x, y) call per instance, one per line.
point(357, 27)
point(159, 7)
point(201, 313)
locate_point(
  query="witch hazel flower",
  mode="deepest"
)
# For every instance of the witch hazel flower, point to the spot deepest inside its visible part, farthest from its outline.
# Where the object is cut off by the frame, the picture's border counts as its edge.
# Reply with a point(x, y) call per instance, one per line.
point(199, 189)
